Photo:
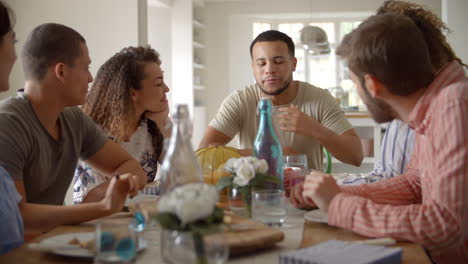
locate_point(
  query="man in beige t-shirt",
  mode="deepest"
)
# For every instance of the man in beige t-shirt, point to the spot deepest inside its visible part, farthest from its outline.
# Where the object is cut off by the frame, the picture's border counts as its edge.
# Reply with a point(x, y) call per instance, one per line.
point(307, 117)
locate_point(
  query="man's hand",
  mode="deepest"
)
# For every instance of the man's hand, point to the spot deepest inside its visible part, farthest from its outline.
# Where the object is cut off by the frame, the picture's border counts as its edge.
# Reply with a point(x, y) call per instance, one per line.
point(291, 119)
point(299, 201)
point(321, 188)
point(116, 193)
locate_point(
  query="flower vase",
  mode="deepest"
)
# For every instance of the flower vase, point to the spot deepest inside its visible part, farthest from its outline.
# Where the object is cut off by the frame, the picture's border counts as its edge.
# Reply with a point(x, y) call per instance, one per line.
point(240, 201)
point(190, 247)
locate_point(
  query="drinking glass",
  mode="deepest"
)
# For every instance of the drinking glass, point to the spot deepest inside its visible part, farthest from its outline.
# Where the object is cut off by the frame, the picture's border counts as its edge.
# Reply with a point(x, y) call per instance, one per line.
point(116, 242)
point(295, 167)
point(179, 247)
point(269, 207)
point(237, 203)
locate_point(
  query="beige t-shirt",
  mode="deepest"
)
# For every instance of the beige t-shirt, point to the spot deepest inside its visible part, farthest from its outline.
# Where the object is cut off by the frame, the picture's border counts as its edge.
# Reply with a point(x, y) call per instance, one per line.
point(238, 116)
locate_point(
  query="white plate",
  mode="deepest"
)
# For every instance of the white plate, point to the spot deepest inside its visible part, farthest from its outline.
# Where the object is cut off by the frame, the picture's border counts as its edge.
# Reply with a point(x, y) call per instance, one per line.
point(316, 216)
point(67, 249)
point(60, 245)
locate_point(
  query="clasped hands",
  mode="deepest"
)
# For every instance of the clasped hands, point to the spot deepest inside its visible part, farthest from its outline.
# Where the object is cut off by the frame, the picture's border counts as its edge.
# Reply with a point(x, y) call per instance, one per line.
point(318, 190)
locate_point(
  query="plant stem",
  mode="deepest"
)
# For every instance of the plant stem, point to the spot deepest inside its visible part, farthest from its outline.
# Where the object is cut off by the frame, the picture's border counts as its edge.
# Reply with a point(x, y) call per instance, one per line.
point(248, 200)
point(199, 247)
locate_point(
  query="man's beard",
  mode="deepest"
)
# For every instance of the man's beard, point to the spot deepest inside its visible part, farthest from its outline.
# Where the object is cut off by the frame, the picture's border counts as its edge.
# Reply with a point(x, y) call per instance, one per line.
point(277, 92)
point(380, 111)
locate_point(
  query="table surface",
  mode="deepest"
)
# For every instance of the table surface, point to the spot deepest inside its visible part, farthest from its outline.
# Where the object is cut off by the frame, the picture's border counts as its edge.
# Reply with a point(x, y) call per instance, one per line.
point(297, 234)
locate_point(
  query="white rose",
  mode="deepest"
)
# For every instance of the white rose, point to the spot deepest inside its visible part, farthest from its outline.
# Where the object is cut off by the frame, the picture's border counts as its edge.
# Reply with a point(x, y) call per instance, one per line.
point(190, 202)
point(238, 162)
point(244, 173)
point(241, 181)
point(251, 160)
point(261, 166)
point(246, 170)
point(230, 165)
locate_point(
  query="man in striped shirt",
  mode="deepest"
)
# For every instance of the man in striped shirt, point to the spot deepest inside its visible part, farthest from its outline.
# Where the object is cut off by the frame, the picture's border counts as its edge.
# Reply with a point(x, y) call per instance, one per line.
point(389, 60)
point(397, 146)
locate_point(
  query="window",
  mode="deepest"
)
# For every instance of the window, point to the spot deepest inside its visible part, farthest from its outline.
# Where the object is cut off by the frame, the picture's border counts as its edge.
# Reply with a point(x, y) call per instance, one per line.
point(259, 28)
point(324, 71)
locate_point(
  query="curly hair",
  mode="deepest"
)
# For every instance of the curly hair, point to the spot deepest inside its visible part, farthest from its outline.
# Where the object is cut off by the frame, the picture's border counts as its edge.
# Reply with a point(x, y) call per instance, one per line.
point(109, 100)
point(432, 27)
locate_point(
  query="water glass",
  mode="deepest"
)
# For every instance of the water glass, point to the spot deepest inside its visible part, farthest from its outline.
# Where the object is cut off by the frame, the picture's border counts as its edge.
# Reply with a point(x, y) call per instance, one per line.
point(269, 207)
point(236, 201)
point(116, 242)
point(295, 167)
point(179, 247)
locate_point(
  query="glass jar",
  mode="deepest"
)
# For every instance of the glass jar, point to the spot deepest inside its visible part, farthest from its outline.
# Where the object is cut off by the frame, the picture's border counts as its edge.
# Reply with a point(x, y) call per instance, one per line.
point(181, 247)
point(240, 203)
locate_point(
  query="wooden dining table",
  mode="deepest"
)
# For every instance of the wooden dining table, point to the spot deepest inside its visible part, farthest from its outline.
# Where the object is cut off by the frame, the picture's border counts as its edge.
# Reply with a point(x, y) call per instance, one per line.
point(298, 234)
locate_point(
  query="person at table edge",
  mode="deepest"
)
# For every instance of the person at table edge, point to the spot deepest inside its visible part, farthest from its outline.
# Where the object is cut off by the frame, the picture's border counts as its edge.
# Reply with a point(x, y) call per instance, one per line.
point(308, 117)
point(43, 134)
point(389, 61)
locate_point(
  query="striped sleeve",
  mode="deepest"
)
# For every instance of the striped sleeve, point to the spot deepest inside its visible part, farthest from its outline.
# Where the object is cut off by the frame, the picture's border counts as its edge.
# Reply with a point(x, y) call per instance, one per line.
point(437, 222)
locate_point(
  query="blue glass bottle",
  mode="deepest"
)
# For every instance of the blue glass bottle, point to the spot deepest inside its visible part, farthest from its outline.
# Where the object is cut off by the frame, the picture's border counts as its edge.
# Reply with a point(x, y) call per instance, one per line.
point(267, 145)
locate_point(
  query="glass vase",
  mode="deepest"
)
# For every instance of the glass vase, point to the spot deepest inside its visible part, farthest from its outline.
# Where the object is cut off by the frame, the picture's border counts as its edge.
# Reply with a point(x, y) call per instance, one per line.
point(189, 247)
point(240, 201)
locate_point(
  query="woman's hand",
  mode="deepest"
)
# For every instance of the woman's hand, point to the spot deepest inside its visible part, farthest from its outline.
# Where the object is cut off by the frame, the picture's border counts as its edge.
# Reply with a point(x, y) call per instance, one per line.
point(162, 120)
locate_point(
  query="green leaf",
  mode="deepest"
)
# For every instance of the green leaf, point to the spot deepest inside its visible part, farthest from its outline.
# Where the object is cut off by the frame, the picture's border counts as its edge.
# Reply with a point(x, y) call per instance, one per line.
point(247, 198)
point(224, 182)
point(169, 221)
point(209, 224)
point(262, 179)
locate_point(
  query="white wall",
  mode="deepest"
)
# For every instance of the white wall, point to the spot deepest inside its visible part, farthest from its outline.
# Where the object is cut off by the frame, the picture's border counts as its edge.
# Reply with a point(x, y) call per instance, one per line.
point(229, 34)
point(182, 53)
point(107, 26)
point(454, 13)
point(159, 33)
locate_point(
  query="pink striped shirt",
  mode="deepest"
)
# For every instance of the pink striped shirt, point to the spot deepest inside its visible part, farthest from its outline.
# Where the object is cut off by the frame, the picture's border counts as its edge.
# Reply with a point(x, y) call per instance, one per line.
point(428, 204)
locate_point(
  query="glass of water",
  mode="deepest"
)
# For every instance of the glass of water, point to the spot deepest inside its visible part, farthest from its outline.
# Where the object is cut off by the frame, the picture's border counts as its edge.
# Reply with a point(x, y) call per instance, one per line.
point(294, 167)
point(269, 207)
point(116, 242)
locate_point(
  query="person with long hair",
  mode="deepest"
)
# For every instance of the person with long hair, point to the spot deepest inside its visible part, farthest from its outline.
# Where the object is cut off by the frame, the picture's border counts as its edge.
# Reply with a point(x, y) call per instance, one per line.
point(432, 27)
point(128, 100)
point(397, 144)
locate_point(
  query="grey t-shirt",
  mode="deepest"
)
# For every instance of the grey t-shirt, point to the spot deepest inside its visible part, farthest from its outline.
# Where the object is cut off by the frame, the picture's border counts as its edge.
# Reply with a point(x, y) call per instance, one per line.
point(29, 153)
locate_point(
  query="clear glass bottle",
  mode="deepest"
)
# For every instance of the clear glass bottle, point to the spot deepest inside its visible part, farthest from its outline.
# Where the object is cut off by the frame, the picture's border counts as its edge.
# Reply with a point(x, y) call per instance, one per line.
point(267, 145)
point(180, 165)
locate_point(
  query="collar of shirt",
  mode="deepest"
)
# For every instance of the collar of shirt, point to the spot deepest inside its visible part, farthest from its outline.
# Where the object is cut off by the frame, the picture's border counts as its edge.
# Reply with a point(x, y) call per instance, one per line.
point(451, 72)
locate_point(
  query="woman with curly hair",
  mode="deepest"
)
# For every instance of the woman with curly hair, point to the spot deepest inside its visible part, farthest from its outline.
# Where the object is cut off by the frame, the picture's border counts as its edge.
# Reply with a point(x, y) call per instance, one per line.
point(128, 100)
point(432, 27)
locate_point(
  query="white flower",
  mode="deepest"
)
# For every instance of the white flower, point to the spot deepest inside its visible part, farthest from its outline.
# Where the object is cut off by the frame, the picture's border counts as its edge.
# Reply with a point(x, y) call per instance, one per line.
point(244, 173)
point(261, 166)
point(230, 165)
point(190, 202)
point(245, 169)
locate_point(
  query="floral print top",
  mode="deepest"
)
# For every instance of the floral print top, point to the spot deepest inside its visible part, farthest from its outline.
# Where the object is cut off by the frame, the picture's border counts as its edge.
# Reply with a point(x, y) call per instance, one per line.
point(139, 147)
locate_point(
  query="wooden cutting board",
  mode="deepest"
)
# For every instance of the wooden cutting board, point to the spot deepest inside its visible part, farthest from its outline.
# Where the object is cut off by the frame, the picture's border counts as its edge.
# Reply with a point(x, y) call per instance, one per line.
point(247, 236)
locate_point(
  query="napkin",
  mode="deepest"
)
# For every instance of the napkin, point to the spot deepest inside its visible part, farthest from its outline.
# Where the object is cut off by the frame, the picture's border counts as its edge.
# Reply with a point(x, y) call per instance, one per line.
point(341, 252)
